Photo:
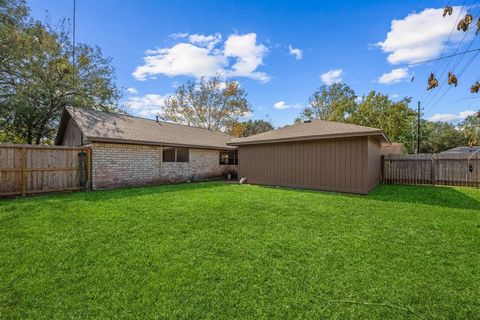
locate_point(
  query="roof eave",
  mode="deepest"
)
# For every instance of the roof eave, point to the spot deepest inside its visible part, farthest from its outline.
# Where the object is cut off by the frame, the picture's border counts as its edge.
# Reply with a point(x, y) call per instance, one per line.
point(155, 143)
point(313, 137)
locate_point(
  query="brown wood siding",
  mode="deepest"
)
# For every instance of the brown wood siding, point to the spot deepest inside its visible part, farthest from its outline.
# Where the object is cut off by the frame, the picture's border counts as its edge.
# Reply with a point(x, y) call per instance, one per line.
point(73, 135)
point(333, 165)
point(374, 163)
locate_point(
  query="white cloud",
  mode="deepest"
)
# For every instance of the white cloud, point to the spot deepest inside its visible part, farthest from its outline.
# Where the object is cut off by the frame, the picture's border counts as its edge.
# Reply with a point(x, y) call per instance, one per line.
point(132, 90)
point(394, 76)
point(209, 41)
point(179, 35)
point(249, 56)
point(282, 105)
point(332, 76)
point(202, 56)
point(448, 117)
point(182, 59)
point(297, 53)
point(420, 36)
point(147, 106)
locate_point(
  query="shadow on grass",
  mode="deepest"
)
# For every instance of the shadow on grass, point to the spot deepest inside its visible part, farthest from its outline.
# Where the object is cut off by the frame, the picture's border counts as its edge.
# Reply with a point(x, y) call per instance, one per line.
point(447, 197)
point(109, 194)
point(440, 196)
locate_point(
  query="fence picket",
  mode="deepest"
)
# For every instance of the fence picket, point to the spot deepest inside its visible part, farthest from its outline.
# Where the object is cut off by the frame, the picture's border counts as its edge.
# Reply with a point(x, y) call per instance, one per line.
point(27, 169)
point(435, 169)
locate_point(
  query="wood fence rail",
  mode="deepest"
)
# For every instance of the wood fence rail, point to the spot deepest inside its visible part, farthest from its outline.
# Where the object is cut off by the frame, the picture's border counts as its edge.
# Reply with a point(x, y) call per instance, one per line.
point(435, 169)
point(29, 169)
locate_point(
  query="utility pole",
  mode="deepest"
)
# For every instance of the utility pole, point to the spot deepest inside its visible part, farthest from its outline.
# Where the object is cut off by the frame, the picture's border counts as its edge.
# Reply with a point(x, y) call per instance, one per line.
point(418, 128)
point(74, 31)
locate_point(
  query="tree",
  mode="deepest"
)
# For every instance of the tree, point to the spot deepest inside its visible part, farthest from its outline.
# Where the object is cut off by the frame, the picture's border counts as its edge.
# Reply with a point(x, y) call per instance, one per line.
point(250, 127)
point(471, 129)
point(394, 118)
point(440, 136)
point(334, 102)
point(38, 79)
point(13, 12)
point(209, 103)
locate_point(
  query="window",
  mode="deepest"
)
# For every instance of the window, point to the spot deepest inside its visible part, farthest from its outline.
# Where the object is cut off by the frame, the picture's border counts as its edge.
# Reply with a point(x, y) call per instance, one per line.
point(182, 154)
point(168, 154)
point(176, 155)
point(228, 158)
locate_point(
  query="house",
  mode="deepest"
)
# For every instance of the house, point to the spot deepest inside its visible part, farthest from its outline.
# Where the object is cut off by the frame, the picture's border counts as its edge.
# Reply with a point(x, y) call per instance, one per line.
point(317, 154)
point(393, 148)
point(131, 151)
point(463, 150)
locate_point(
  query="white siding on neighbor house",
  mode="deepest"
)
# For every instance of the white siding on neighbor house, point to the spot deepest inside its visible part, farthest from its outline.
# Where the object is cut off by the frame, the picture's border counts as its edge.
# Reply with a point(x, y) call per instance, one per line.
point(117, 165)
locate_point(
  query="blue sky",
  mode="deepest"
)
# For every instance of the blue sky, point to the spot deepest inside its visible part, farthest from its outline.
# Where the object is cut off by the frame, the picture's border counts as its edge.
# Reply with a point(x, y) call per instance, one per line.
point(280, 51)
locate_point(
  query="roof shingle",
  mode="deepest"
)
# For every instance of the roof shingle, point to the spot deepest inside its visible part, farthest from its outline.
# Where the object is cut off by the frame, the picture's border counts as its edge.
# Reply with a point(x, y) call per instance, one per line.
point(316, 129)
point(103, 126)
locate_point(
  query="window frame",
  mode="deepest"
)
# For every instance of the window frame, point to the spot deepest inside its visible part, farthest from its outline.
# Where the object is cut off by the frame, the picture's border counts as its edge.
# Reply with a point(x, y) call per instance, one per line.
point(165, 149)
point(228, 158)
point(187, 155)
point(175, 156)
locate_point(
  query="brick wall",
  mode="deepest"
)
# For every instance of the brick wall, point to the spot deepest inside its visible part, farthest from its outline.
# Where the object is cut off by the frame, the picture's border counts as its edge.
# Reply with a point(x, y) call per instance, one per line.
point(120, 165)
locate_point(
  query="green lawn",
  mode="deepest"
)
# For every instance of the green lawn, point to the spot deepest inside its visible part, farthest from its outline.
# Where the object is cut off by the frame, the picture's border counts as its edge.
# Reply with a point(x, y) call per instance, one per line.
point(214, 250)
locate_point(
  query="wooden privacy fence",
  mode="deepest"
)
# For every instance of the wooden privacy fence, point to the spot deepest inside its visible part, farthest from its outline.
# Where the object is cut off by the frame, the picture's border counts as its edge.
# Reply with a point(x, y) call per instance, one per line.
point(436, 169)
point(28, 169)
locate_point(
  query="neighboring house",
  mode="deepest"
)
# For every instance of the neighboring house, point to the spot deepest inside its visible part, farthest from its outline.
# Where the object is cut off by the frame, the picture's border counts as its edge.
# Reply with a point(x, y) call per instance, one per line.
point(393, 148)
point(464, 150)
point(130, 151)
point(319, 154)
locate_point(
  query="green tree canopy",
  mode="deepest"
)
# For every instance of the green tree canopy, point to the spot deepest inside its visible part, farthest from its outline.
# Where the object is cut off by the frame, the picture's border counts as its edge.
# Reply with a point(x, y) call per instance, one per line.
point(440, 136)
point(395, 118)
point(338, 102)
point(471, 129)
point(334, 102)
point(38, 78)
point(209, 103)
point(250, 127)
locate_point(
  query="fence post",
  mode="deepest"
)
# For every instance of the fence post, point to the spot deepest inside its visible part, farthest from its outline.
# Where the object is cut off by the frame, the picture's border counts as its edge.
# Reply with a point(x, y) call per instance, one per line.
point(433, 167)
point(382, 166)
point(478, 172)
point(89, 168)
point(24, 172)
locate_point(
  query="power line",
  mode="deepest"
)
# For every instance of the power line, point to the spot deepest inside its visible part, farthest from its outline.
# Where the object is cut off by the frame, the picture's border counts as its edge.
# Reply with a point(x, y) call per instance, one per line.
point(445, 57)
point(74, 32)
point(427, 94)
point(451, 31)
point(461, 73)
point(455, 65)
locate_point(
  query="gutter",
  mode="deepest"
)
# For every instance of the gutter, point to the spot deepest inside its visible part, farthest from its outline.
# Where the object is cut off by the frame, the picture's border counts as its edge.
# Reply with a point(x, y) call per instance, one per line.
point(154, 143)
point(317, 137)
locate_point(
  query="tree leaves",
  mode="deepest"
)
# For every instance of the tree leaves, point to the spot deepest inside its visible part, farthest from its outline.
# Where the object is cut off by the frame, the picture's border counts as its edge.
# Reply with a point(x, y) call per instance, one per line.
point(38, 79)
point(249, 128)
point(209, 103)
point(331, 102)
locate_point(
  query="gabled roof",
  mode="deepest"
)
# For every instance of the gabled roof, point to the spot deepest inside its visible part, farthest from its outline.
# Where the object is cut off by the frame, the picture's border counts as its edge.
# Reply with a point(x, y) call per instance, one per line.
point(463, 149)
point(99, 126)
point(316, 129)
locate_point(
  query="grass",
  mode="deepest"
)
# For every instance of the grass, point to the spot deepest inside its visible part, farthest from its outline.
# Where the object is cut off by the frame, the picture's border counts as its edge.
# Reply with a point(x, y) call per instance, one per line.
point(214, 250)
